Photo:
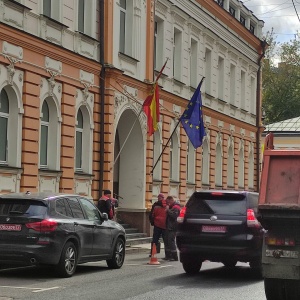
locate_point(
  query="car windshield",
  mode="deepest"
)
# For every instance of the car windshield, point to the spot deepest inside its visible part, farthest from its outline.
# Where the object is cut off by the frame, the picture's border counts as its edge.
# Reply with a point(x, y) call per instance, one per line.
point(207, 203)
point(20, 207)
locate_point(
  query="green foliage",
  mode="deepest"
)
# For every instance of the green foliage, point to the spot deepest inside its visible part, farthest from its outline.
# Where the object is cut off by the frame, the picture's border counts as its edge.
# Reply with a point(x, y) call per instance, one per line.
point(281, 80)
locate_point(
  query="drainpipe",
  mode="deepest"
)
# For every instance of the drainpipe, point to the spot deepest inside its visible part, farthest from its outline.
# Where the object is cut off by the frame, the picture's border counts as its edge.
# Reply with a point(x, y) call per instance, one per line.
point(258, 112)
point(102, 96)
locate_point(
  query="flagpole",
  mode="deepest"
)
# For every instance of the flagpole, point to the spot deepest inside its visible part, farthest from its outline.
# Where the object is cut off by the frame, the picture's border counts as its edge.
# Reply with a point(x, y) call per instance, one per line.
point(137, 117)
point(170, 137)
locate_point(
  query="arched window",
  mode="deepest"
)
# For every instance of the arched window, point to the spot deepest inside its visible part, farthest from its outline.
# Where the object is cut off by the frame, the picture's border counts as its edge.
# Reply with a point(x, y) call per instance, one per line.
point(79, 132)
point(156, 154)
point(174, 158)
point(44, 135)
point(230, 173)
point(241, 166)
point(190, 163)
point(218, 169)
point(251, 169)
point(4, 115)
point(205, 163)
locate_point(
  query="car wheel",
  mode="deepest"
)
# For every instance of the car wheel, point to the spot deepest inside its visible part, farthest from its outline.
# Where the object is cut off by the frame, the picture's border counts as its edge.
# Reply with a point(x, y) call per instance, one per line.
point(275, 289)
point(229, 263)
point(191, 267)
point(68, 260)
point(117, 260)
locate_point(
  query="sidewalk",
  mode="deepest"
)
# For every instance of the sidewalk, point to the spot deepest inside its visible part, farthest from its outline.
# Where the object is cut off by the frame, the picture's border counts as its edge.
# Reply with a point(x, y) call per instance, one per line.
point(141, 248)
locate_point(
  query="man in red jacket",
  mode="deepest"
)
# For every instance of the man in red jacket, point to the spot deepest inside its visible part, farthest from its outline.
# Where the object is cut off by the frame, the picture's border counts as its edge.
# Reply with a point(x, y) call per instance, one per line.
point(158, 217)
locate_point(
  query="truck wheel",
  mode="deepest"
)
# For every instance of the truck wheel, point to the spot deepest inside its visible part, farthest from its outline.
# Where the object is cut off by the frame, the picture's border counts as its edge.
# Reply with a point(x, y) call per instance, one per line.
point(274, 289)
point(292, 288)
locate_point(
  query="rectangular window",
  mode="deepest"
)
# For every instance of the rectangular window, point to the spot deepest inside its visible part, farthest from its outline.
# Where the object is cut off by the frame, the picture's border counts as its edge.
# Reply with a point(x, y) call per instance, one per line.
point(3, 139)
point(177, 46)
point(221, 2)
point(44, 146)
point(243, 20)
point(221, 78)
point(193, 63)
point(232, 11)
point(159, 42)
point(208, 71)
point(252, 28)
point(47, 8)
point(243, 90)
point(78, 150)
point(81, 16)
point(122, 25)
point(232, 84)
point(253, 96)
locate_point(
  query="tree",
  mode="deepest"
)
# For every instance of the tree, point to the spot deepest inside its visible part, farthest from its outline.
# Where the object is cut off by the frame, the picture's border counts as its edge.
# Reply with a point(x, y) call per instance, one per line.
point(281, 80)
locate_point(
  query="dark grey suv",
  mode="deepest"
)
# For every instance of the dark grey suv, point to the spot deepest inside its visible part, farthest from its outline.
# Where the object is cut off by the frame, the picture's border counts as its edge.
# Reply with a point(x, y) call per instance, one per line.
point(57, 229)
point(220, 226)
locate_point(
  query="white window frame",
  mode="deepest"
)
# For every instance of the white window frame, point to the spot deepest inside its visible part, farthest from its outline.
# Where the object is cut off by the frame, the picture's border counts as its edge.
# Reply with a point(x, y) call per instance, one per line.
point(56, 9)
point(79, 130)
point(230, 163)
point(208, 70)
point(251, 168)
point(174, 158)
point(243, 90)
point(89, 17)
point(221, 77)
point(54, 138)
point(44, 124)
point(232, 84)
point(241, 167)
point(219, 166)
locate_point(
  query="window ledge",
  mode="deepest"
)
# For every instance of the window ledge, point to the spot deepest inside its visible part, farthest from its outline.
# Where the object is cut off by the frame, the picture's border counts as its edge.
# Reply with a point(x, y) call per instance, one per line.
point(233, 106)
point(190, 183)
point(45, 171)
point(50, 20)
point(176, 81)
point(221, 101)
point(157, 181)
point(209, 96)
point(13, 2)
point(5, 167)
point(174, 181)
point(244, 110)
point(128, 58)
point(163, 75)
point(86, 36)
point(82, 174)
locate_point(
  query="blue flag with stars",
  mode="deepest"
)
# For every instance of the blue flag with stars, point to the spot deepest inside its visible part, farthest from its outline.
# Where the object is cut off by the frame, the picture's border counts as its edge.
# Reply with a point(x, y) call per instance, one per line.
point(192, 119)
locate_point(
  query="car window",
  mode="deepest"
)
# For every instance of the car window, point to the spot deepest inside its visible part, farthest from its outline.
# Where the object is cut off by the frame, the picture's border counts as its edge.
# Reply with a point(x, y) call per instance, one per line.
point(75, 207)
point(62, 207)
point(22, 207)
point(90, 209)
point(227, 204)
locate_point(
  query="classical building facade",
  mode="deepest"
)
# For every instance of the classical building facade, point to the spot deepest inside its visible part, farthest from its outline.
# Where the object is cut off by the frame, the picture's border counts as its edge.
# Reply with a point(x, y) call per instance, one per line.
point(73, 78)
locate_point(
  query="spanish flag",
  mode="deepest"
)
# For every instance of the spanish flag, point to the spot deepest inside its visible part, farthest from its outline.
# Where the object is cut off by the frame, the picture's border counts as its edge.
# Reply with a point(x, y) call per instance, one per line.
point(151, 109)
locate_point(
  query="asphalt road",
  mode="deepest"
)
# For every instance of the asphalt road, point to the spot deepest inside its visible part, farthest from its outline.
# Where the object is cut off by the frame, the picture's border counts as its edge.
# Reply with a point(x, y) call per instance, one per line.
point(136, 280)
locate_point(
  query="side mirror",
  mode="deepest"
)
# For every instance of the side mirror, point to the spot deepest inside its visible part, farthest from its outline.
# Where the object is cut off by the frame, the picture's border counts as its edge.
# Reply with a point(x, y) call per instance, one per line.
point(105, 216)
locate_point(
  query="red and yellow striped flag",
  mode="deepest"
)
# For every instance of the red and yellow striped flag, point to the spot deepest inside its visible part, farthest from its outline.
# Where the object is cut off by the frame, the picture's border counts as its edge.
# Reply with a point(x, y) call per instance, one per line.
point(151, 109)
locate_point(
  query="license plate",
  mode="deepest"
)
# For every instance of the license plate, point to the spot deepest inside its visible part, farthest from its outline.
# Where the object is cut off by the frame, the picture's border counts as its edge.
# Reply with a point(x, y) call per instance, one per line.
point(10, 227)
point(278, 253)
point(212, 228)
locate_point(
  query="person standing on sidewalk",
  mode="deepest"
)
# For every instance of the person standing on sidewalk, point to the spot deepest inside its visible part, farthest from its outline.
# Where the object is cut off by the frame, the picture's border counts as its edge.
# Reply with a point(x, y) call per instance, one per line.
point(158, 220)
point(173, 210)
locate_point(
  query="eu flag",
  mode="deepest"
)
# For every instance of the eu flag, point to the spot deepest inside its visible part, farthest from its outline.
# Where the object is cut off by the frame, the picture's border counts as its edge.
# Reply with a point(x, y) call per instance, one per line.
point(192, 119)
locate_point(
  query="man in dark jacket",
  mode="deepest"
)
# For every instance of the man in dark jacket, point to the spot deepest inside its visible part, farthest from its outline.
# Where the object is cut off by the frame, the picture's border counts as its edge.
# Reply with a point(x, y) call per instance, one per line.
point(105, 204)
point(173, 210)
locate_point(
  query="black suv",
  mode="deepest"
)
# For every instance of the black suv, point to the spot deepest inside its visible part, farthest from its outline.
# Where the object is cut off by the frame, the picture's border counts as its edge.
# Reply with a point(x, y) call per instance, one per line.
point(220, 226)
point(57, 229)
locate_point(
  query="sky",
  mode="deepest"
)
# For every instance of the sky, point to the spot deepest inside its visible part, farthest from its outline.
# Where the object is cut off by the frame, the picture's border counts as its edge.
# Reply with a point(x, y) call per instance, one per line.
point(282, 15)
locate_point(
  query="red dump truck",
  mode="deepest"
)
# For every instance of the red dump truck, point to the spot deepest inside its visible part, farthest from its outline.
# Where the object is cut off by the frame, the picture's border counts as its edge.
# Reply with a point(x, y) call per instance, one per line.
point(279, 214)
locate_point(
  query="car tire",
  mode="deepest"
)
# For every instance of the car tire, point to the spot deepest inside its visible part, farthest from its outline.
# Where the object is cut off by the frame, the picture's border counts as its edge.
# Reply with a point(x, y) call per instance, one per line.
point(275, 289)
point(229, 263)
point(68, 261)
point(117, 260)
point(191, 267)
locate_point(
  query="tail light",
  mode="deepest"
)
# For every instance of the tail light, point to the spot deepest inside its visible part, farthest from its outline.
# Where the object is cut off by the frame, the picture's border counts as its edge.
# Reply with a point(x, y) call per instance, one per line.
point(46, 225)
point(282, 241)
point(181, 216)
point(251, 219)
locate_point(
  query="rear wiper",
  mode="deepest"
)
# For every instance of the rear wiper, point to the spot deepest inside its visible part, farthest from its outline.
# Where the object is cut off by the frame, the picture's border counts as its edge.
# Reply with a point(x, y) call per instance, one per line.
point(17, 212)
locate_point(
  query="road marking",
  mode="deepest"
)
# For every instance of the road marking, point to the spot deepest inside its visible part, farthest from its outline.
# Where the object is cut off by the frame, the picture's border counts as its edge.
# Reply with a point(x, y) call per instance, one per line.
point(34, 290)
